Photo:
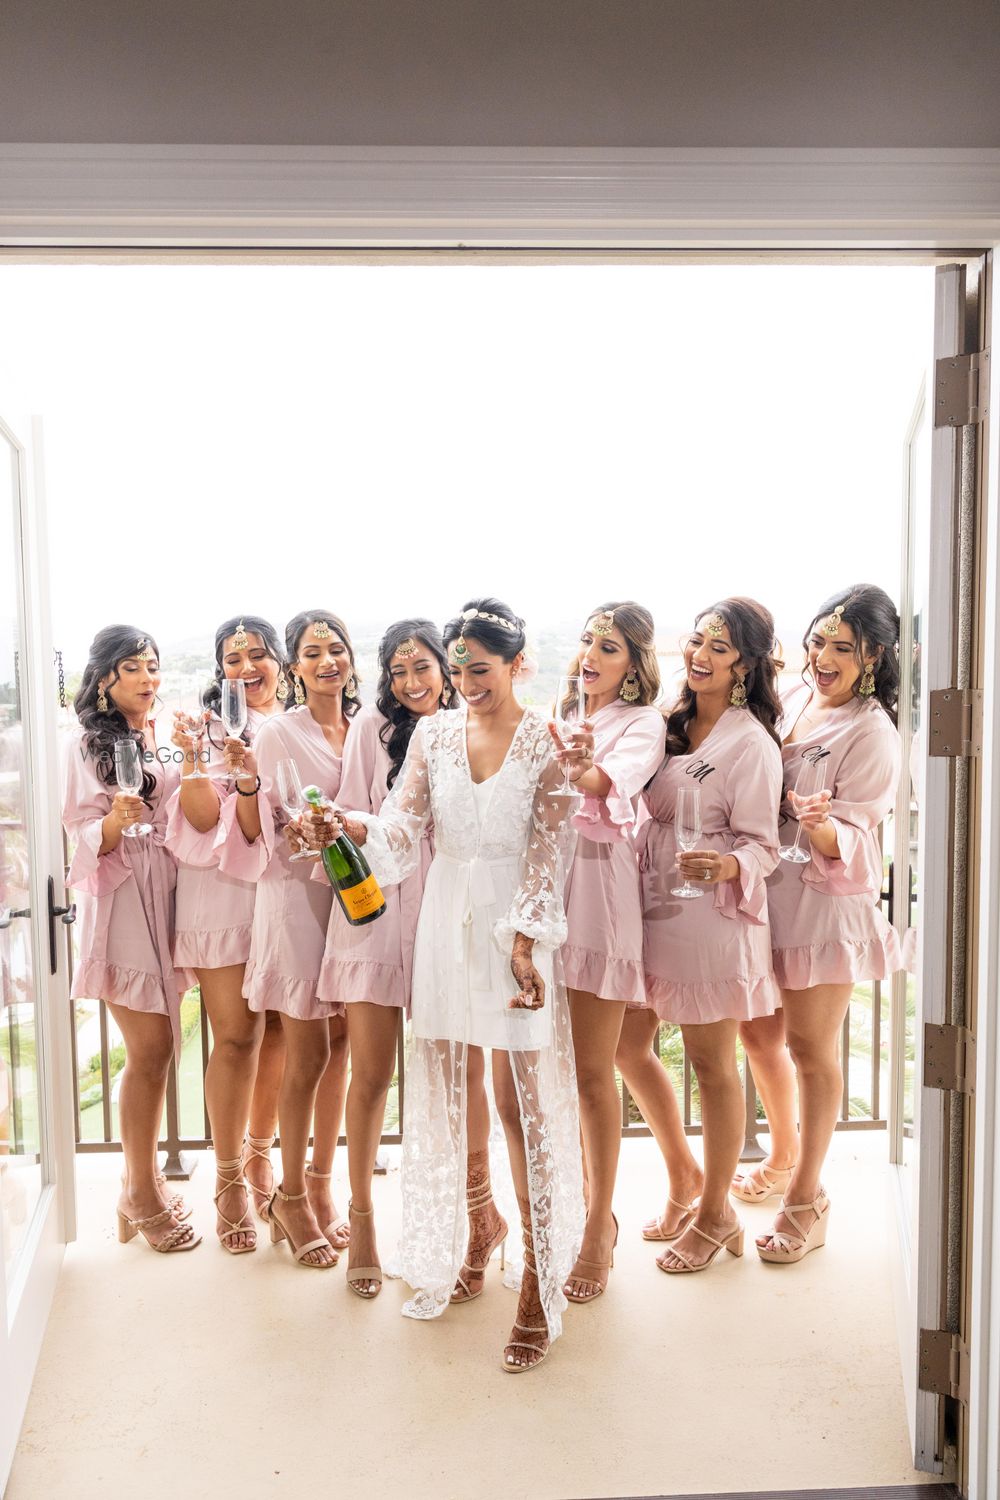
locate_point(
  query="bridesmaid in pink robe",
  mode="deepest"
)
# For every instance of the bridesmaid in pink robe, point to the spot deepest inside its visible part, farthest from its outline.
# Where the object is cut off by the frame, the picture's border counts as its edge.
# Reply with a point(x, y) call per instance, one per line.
point(126, 898)
point(291, 917)
point(827, 929)
point(708, 960)
point(216, 885)
point(602, 956)
point(368, 969)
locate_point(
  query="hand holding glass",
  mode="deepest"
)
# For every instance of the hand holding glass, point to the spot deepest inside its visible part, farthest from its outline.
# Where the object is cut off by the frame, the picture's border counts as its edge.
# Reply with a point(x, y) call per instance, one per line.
point(570, 712)
point(808, 782)
point(293, 800)
point(194, 726)
point(233, 707)
point(687, 832)
point(128, 774)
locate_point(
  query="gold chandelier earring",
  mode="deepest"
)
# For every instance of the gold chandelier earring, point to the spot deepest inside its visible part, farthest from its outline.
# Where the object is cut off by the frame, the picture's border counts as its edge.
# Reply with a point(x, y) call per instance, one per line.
point(866, 687)
point(282, 690)
point(630, 690)
point(102, 701)
point(300, 692)
point(738, 696)
point(351, 690)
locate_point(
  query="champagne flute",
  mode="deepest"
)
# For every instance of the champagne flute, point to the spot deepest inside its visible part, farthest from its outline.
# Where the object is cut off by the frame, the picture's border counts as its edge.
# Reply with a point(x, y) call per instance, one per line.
point(233, 707)
point(687, 832)
point(128, 774)
point(293, 800)
point(194, 725)
point(569, 713)
point(808, 782)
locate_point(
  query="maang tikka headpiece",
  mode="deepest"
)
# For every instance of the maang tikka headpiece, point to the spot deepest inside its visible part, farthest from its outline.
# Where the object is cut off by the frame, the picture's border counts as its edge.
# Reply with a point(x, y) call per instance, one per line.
point(460, 648)
point(142, 650)
point(407, 648)
point(321, 630)
point(715, 625)
point(604, 623)
point(240, 639)
point(831, 625)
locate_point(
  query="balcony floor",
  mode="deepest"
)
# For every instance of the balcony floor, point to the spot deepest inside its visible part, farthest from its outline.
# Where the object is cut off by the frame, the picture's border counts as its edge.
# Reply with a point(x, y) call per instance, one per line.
point(203, 1375)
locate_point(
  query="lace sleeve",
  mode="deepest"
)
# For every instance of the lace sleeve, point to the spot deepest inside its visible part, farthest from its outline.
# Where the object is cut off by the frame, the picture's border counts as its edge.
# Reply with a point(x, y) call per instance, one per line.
point(395, 832)
point(537, 908)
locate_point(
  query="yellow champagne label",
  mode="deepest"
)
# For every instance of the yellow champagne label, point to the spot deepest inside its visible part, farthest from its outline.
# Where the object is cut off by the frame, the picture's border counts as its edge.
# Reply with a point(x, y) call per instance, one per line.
point(364, 898)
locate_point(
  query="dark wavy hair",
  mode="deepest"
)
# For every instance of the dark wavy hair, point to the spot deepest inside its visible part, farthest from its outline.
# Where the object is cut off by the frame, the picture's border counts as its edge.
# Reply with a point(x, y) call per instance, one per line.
point(102, 731)
point(256, 625)
point(400, 723)
point(496, 639)
point(751, 630)
point(874, 619)
point(296, 629)
point(636, 625)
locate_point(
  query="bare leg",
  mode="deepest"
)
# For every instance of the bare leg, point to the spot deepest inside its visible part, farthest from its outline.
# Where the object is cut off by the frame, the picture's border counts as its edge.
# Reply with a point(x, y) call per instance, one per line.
point(647, 1081)
point(148, 1049)
point(813, 1021)
point(236, 1032)
point(329, 1117)
point(774, 1077)
point(264, 1109)
point(712, 1050)
point(307, 1045)
point(486, 1225)
point(373, 1031)
point(597, 1026)
point(529, 1337)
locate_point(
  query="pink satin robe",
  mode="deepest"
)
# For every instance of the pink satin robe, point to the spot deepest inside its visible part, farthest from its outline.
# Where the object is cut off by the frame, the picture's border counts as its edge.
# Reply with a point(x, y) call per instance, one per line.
point(125, 930)
point(603, 897)
point(710, 959)
point(825, 925)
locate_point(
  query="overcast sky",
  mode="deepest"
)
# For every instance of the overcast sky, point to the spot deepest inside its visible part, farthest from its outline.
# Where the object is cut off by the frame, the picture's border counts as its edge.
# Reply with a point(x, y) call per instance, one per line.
point(385, 441)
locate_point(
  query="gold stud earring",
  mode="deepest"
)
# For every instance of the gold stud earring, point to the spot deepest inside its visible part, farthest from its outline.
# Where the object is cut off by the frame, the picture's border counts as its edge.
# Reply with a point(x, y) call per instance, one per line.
point(738, 696)
point(281, 692)
point(300, 692)
point(630, 690)
point(102, 701)
point(866, 687)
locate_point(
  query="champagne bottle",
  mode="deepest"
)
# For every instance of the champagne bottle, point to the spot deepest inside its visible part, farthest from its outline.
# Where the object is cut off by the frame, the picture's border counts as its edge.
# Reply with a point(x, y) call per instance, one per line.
point(354, 885)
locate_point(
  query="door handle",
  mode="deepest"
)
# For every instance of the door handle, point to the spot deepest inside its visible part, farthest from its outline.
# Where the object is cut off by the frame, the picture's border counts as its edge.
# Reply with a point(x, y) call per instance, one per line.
point(66, 914)
point(7, 916)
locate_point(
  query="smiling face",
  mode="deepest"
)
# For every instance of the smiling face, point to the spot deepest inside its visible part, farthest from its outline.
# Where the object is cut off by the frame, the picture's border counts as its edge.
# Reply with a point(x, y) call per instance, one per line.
point(135, 691)
point(710, 660)
point(258, 671)
point(485, 681)
point(833, 662)
point(416, 680)
point(605, 662)
point(324, 664)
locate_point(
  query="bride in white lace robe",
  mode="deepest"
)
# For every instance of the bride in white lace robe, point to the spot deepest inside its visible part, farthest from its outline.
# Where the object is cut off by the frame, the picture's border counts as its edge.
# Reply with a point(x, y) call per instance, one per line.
point(497, 872)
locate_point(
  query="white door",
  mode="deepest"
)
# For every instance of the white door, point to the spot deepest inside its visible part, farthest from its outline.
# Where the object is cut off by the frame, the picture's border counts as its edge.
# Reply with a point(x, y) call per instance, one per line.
point(927, 899)
point(36, 1127)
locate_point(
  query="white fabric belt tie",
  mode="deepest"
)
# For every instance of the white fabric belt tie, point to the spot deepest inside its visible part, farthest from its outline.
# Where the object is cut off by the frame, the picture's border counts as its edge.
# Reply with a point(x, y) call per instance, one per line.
point(474, 894)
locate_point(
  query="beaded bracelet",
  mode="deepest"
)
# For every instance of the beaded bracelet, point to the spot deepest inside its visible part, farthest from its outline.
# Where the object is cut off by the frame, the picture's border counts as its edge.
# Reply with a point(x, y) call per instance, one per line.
point(242, 793)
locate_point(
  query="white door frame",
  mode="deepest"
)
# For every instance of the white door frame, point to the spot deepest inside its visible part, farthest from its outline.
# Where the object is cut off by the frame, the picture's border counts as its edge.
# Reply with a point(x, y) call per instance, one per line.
point(812, 202)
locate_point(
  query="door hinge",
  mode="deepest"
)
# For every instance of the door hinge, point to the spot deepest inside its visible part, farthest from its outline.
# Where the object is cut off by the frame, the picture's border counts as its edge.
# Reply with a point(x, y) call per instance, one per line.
point(961, 389)
point(949, 1058)
point(956, 722)
point(944, 1364)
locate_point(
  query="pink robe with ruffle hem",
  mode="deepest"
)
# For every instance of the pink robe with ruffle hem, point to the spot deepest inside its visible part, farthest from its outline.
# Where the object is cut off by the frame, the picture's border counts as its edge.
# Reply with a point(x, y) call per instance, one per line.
point(603, 898)
point(292, 911)
point(373, 962)
point(125, 930)
point(825, 925)
point(710, 959)
point(217, 871)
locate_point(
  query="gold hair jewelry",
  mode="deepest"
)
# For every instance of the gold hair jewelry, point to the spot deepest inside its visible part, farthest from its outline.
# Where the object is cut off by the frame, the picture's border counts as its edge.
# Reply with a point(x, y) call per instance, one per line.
point(281, 692)
point(481, 614)
point(241, 640)
point(866, 687)
point(738, 696)
point(102, 701)
point(321, 630)
point(300, 692)
point(142, 651)
point(630, 690)
point(604, 623)
point(831, 625)
point(715, 625)
point(407, 648)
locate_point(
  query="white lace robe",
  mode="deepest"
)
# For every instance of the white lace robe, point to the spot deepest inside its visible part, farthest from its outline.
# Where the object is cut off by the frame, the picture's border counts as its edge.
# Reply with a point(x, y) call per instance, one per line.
point(494, 874)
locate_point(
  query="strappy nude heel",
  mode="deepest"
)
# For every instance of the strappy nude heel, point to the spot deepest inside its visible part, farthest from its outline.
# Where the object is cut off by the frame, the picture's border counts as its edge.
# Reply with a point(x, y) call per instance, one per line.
point(508, 1364)
point(279, 1233)
point(260, 1146)
point(733, 1243)
point(771, 1183)
point(357, 1274)
point(475, 1200)
point(601, 1278)
point(238, 1226)
point(654, 1229)
point(784, 1249)
point(181, 1237)
point(334, 1228)
point(175, 1202)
